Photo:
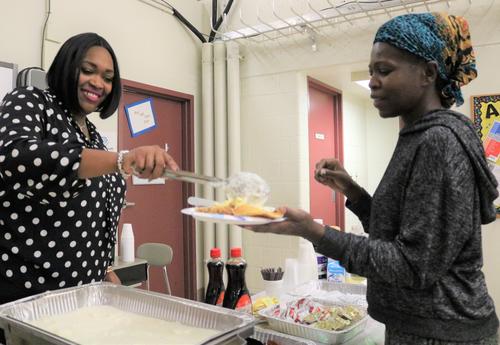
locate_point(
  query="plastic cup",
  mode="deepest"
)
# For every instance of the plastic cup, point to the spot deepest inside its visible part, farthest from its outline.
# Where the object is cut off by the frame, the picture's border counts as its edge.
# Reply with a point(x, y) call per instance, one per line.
point(291, 275)
point(273, 288)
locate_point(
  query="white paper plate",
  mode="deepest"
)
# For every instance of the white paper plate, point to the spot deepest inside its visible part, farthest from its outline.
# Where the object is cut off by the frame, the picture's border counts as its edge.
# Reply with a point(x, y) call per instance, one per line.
point(228, 219)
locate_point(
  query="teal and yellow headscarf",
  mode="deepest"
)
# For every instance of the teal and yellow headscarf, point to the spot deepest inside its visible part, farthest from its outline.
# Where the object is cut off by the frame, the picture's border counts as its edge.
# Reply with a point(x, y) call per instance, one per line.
point(435, 37)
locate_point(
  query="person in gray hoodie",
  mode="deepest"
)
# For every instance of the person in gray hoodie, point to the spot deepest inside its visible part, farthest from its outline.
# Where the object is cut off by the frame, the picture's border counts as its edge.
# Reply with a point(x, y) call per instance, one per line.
point(423, 256)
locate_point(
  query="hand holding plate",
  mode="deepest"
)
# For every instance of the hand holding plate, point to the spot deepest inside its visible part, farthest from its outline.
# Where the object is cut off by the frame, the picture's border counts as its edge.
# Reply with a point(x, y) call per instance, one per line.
point(297, 222)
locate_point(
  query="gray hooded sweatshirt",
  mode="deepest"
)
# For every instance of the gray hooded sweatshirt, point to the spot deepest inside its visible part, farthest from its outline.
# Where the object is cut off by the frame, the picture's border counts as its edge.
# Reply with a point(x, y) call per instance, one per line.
point(423, 255)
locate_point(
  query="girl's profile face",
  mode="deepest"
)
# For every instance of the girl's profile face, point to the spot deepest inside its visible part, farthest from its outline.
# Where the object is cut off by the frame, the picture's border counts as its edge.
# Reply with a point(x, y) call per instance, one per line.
point(397, 81)
point(95, 81)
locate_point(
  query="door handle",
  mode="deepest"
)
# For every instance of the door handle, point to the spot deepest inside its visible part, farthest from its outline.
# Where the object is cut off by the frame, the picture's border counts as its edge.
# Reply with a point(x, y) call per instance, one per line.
point(334, 196)
point(127, 204)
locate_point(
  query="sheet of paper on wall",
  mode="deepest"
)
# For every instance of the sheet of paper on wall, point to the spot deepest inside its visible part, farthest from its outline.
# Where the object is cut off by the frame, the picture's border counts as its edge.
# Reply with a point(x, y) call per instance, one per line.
point(140, 116)
point(110, 140)
point(492, 149)
point(495, 130)
point(6, 79)
point(496, 172)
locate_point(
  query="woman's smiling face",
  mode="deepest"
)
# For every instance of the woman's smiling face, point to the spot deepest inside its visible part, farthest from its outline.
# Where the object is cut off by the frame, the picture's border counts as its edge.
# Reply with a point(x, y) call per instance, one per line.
point(95, 81)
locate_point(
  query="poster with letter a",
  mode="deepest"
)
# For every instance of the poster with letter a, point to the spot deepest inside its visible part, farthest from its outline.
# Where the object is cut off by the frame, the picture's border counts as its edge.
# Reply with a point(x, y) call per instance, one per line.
point(486, 117)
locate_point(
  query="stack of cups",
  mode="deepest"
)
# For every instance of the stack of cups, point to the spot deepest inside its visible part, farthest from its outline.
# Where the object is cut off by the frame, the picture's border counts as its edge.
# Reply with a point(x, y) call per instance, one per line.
point(291, 277)
point(273, 288)
point(127, 243)
point(308, 265)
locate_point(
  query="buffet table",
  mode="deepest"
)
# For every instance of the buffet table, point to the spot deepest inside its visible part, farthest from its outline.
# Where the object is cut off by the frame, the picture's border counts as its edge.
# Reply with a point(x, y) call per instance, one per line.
point(373, 334)
point(19, 318)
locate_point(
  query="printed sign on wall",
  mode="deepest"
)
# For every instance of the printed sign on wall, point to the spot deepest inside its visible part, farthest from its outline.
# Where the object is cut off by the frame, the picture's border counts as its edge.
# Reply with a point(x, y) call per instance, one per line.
point(486, 117)
point(140, 116)
point(485, 110)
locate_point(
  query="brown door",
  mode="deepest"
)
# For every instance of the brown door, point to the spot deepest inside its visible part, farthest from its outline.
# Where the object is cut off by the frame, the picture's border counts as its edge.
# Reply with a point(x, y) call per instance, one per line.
point(325, 141)
point(155, 211)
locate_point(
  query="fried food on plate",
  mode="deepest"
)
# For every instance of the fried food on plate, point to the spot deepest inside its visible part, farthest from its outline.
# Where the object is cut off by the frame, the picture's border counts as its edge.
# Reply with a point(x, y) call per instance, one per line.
point(237, 207)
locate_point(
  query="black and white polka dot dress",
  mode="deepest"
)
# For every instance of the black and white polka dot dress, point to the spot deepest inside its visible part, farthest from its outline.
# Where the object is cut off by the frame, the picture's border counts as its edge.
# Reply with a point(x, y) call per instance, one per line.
point(56, 230)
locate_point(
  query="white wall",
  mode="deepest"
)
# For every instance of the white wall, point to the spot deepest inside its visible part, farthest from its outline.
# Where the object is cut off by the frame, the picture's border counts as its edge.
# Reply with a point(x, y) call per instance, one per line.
point(273, 130)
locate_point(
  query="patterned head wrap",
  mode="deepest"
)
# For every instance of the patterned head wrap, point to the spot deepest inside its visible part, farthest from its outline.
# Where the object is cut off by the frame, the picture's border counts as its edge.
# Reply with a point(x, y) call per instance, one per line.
point(435, 37)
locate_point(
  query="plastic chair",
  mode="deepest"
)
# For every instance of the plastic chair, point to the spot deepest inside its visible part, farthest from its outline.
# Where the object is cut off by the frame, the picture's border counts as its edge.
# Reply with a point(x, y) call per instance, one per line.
point(156, 254)
point(32, 76)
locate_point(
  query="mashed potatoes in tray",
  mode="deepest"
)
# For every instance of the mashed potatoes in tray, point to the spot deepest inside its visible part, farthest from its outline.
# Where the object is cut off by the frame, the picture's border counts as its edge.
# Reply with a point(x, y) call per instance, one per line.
point(106, 325)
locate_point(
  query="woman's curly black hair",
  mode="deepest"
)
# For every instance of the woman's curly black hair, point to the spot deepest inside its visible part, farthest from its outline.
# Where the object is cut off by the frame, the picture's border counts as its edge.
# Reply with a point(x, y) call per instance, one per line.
point(63, 74)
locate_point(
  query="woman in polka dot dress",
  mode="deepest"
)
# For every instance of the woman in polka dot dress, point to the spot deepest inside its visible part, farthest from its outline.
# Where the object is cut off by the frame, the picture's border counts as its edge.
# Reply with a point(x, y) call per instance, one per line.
point(61, 192)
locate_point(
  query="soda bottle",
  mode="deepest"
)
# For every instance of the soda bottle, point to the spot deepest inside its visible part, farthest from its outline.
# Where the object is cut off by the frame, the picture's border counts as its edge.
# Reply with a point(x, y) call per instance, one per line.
point(215, 287)
point(237, 295)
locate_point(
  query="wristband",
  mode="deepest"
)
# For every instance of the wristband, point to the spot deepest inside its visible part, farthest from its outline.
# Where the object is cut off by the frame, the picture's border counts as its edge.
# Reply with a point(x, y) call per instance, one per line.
point(119, 164)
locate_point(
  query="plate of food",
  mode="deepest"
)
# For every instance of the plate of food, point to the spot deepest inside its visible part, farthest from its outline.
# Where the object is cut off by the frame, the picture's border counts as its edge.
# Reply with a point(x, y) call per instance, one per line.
point(246, 194)
point(228, 218)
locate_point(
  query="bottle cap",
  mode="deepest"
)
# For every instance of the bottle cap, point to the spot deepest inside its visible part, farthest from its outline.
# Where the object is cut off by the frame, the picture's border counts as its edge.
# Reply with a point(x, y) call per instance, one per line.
point(235, 252)
point(215, 253)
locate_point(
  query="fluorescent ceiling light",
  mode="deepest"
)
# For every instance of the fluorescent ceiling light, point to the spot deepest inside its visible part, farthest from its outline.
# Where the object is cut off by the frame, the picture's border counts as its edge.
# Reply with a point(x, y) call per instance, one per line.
point(361, 78)
point(363, 83)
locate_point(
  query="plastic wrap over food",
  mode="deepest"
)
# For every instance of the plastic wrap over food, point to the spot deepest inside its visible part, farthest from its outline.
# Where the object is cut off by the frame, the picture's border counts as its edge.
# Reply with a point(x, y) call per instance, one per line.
point(330, 292)
point(306, 311)
point(249, 187)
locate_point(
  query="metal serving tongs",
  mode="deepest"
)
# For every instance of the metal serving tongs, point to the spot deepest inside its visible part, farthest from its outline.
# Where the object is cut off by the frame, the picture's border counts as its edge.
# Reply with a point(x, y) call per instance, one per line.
point(188, 176)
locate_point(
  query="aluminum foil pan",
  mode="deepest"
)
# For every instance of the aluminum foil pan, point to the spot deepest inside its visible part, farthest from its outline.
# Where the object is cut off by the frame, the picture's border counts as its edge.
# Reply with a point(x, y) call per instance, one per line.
point(233, 326)
point(309, 332)
point(263, 335)
point(311, 290)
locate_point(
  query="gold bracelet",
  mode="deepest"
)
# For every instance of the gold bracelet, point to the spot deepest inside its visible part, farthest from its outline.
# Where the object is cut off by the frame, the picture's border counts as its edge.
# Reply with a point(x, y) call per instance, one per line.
point(119, 164)
point(109, 269)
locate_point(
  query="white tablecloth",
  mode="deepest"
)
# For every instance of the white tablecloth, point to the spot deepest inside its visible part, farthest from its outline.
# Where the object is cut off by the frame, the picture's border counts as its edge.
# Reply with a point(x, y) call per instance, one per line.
point(374, 333)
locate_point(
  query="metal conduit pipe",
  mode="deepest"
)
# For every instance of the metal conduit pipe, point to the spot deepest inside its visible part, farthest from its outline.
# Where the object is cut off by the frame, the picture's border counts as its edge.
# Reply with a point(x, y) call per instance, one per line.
point(220, 136)
point(207, 133)
point(233, 124)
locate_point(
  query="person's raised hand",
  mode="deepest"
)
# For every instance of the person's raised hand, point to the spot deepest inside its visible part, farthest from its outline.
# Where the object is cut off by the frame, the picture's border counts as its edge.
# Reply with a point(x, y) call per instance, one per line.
point(148, 161)
point(331, 173)
point(298, 223)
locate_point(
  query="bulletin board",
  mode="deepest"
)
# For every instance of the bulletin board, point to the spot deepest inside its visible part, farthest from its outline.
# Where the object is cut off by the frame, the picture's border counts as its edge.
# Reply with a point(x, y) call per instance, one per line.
point(486, 117)
point(8, 74)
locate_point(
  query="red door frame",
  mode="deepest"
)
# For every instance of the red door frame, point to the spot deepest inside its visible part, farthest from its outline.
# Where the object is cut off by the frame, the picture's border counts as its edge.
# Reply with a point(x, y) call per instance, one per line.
point(187, 104)
point(338, 138)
